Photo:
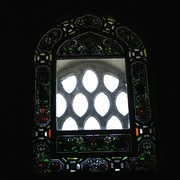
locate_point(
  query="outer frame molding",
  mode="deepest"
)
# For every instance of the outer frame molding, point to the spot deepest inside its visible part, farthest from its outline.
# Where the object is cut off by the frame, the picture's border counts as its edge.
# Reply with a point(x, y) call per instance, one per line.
point(71, 39)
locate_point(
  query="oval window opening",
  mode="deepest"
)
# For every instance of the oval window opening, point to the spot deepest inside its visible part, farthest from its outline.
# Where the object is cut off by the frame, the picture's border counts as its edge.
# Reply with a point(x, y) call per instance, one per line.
point(70, 125)
point(114, 123)
point(122, 103)
point(102, 104)
point(111, 82)
point(90, 81)
point(91, 124)
point(61, 105)
point(80, 104)
point(69, 84)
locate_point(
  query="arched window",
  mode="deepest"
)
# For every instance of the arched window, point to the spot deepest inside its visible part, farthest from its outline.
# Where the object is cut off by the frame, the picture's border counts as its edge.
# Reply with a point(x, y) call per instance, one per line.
point(92, 109)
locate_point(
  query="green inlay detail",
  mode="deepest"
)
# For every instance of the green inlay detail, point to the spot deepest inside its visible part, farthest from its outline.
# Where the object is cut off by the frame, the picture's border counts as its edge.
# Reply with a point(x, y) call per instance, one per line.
point(64, 159)
point(108, 159)
point(46, 160)
point(74, 148)
point(124, 158)
point(80, 159)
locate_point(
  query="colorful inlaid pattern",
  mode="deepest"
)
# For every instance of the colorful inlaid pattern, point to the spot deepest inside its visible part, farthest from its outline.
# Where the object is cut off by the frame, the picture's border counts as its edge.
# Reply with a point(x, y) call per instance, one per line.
point(90, 35)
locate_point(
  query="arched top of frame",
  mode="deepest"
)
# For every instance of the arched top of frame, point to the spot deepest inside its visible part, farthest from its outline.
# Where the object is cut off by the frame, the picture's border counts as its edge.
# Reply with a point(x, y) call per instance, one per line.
point(90, 35)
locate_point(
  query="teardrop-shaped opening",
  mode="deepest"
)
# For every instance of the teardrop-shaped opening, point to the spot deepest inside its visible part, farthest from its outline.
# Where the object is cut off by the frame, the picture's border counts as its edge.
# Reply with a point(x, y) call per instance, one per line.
point(122, 103)
point(69, 83)
point(102, 104)
point(69, 125)
point(91, 124)
point(61, 105)
point(113, 123)
point(80, 104)
point(90, 81)
point(111, 82)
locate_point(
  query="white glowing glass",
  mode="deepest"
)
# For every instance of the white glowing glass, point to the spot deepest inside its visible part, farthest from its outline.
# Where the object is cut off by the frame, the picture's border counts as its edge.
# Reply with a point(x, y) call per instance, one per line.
point(122, 103)
point(111, 82)
point(102, 104)
point(91, 124)
point(69, 124)
point(80, 104)
point(69, 83)
point(61, 105)
point(90, 81)
point(114, 123)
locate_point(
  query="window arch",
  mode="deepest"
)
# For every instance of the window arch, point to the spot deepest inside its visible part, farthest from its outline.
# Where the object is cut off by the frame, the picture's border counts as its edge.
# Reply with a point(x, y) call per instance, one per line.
point(92, 109)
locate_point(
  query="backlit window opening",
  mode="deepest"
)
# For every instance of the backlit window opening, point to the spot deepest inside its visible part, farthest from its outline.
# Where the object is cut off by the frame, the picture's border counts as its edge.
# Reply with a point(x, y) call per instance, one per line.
point(91, 94)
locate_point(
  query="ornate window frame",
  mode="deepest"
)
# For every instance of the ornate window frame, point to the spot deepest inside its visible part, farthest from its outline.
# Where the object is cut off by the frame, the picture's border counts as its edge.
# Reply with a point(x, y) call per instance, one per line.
point(91, 36)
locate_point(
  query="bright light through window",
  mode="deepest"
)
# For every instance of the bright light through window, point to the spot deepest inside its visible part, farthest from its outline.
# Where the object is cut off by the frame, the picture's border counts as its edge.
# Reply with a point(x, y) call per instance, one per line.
point(122, 103)
point(114, 123)
point(69, 83)
point(90, 81)
point(69, 124)
point(89, 92)
point(61, 105)
point(101, 104)
point(111, 82)
point(91, 124)
point(80, 105)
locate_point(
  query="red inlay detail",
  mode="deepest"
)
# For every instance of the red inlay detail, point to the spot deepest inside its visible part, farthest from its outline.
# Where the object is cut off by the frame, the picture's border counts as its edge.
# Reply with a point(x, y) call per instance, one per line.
point(42, 118)
point(137, 131)
point(49, 133)
point(42, 110)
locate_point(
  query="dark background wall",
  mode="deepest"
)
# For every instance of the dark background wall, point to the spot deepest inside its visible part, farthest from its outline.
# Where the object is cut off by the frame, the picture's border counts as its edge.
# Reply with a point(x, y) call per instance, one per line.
point(24, 23)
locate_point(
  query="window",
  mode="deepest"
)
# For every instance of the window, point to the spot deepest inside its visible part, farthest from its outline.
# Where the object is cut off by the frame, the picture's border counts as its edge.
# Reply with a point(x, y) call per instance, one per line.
point(91, 94)
point(92, 109)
